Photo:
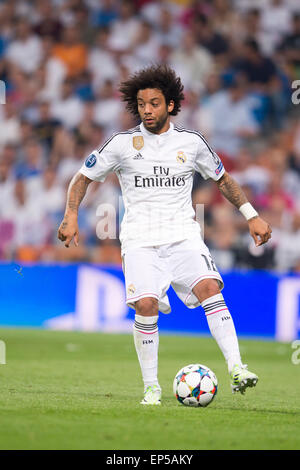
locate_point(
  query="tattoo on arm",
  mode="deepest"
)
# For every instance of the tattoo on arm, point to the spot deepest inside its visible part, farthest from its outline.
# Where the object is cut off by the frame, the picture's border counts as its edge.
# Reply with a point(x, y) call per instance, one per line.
point(76, 192)
point(231, 190)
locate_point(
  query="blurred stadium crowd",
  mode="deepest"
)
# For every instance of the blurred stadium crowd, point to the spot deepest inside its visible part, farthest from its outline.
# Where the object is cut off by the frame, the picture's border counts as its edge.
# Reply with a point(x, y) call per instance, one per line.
point(61, 62)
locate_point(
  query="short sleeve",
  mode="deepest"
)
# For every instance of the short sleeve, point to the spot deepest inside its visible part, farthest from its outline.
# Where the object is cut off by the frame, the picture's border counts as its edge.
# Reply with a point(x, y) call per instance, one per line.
point(102, 161)
point(207, 162)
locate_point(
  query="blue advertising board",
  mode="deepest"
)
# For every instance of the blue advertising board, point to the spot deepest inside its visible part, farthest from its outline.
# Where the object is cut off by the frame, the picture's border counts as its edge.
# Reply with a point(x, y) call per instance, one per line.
point(92, 298)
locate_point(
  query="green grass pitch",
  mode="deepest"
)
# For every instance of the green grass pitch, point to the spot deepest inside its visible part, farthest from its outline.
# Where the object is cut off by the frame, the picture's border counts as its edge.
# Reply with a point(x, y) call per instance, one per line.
point(71, 390)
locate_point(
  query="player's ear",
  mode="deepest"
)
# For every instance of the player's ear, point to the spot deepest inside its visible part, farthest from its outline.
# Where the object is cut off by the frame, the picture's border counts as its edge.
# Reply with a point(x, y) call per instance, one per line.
point(171, 106)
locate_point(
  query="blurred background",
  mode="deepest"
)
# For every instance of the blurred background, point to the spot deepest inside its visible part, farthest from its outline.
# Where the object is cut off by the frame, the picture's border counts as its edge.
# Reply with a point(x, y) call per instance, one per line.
point(61, 62)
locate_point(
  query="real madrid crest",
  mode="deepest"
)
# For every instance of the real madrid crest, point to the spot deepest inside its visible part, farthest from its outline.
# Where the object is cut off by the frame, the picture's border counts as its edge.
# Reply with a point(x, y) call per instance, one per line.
point(131, 289)
point(138, 142)
point(181, 157)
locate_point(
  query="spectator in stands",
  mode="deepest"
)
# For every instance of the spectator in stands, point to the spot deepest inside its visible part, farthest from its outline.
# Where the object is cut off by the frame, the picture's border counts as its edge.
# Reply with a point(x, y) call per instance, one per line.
point(228, 134)
point(207, 37)
point(6, 178)
point(125, 29)
point(224, 236)
point(32, 161)
point(259, 70)
point(70, 153)
point(153, 11)
point(82, 22)
point(46, 127)
point(50, 193)
point(27, 216)
point(10, 132)
point(294, 149)
point(287, 257)
point(7, 21)
point(168, 29)
point(83, 87)
point(25, 50)
point(69, 108)
point(72, 52)
point(225, 19)
point(165, 53)
point(192, 62)
point(146, 45)
point(264, 82)
point(106, 14)
point(48, 24)
point(275, 23)
point(290, 45)
point(251, 28)
point(250, 171)
point(54, 72)
point(108, 108)
point(101, 54)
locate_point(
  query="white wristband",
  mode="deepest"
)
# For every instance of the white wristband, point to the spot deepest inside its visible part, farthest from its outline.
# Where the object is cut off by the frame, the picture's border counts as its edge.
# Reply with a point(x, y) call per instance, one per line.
point(248, 211)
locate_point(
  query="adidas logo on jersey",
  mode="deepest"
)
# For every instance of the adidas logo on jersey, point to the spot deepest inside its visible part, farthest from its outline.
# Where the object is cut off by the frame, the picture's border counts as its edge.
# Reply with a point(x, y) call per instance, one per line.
point(138, 156)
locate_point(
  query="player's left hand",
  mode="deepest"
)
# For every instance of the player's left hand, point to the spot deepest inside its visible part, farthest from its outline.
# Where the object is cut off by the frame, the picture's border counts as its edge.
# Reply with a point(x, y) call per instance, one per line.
point(259, 230)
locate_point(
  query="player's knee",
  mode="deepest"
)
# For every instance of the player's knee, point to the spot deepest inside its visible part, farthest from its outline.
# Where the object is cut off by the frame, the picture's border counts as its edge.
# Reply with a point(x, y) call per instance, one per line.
point(206, 288)
point(147, 306)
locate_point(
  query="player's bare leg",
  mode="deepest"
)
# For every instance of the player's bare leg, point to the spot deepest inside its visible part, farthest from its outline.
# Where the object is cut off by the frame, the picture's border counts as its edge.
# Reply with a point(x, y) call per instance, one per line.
point(146, 340)
point(222, 329)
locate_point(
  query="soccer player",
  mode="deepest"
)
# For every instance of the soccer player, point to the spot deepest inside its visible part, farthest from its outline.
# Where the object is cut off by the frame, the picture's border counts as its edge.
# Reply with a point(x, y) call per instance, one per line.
point(161, 242)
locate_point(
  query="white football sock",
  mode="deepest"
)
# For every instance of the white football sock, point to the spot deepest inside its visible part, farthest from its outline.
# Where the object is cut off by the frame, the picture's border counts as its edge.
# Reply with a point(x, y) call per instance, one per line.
point(146, 340)
point(222, 329)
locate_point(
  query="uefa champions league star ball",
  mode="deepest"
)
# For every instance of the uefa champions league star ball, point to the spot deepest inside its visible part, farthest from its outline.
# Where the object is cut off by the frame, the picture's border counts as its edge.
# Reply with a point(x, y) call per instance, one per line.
point(195, 385)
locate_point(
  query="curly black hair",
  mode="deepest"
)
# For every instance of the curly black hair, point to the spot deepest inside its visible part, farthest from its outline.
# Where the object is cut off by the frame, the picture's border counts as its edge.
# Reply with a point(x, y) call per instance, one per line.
point(161, 77)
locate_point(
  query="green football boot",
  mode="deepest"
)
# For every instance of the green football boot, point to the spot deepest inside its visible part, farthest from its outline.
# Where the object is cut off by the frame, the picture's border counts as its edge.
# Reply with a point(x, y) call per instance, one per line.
point(241, 378)
point(152, 395)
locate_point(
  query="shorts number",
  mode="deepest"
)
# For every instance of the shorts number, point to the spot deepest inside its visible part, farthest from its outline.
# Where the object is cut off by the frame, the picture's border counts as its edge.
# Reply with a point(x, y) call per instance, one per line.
point(210, 263)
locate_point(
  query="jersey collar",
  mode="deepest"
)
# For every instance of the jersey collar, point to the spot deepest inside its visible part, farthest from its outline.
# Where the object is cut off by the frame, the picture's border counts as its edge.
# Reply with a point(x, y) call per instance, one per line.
point(145, 132)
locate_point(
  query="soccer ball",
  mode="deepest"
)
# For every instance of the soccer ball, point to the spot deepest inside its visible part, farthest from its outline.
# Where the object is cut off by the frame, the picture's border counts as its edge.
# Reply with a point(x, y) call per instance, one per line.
point(195, 385)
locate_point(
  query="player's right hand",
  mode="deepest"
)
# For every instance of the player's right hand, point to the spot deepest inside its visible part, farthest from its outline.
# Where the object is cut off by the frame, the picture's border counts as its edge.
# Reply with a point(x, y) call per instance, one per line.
point(68, 230)
point(260, 230)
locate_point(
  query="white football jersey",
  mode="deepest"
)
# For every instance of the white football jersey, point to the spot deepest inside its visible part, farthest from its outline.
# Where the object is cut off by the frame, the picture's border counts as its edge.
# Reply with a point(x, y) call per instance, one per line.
point(156, 178)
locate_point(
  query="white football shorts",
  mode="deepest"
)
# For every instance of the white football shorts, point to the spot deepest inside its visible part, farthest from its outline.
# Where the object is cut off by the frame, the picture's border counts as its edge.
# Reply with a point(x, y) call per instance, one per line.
point(149, 272)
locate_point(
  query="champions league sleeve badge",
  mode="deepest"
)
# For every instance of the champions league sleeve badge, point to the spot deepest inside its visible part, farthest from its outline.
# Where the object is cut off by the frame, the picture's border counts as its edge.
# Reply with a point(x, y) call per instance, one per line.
point(218, 162)
point(219, 169)
point(90, 161)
